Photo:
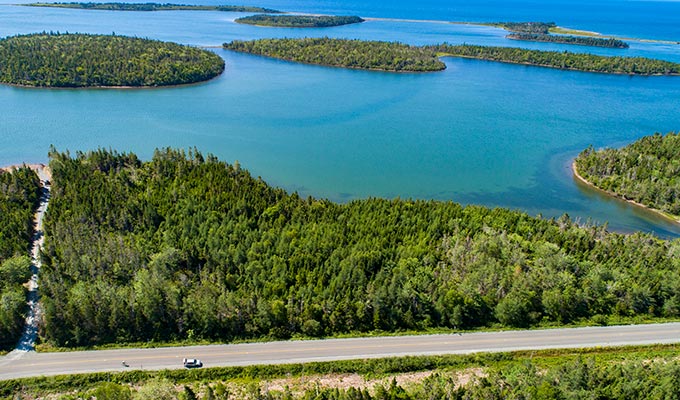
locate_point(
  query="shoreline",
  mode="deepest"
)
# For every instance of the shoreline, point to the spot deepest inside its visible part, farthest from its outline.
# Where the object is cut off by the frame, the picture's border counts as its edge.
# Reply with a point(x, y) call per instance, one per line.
point(178, 85)
point(43, 170)
point(561, 30)
point(670, 217)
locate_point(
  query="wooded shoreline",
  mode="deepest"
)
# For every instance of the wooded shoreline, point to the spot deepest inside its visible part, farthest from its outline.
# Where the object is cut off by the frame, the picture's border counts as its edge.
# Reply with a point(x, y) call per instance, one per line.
point(580, 178)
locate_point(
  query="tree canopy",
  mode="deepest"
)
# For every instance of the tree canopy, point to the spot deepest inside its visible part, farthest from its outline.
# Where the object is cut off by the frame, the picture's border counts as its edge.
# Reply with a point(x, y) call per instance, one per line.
point(646, 171)
point(568, 39)
point(84, 60)
point(19, 197)
point(384, 56)
point(186, 246)
point(150, 7)
point(562, 60)
point(299, 21)
point(398, 57)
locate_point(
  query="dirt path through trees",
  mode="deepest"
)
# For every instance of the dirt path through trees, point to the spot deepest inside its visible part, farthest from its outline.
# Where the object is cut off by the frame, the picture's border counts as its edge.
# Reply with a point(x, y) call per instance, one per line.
point(30, 334)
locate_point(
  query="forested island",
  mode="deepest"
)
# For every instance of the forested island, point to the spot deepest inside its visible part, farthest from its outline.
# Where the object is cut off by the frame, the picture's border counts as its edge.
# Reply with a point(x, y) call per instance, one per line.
point(646, 171)
point(391, 56)
point(19, 198)
point(299, 21)
point(373, 55)
point(185, 246)
point(151, 7)
point(525, 27)
point(562, 60)
point(567, 39)
point(84, 60)
point(541, 32)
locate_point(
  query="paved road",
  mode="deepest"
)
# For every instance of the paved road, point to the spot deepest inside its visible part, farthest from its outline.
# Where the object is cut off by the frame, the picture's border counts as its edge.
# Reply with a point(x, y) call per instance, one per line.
point(34, 364)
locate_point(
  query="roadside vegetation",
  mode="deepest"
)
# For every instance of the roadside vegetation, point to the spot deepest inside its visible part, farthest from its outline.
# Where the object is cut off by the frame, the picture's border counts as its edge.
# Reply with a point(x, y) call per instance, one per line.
point(150, 7)
point(397, 57)
point(299, 21)
point(647, 372)
point(646, 171)
point(84, 60)
point(384, 56)
point(188, 247)
point(19, 198)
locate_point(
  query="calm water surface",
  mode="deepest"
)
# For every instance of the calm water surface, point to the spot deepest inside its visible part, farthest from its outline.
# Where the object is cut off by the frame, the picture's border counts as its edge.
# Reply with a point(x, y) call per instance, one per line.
point(479, 132)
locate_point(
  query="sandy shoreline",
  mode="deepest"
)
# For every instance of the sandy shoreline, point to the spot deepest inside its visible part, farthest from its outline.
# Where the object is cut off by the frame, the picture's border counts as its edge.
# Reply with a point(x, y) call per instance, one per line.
point(43, 171)
point(581, 179)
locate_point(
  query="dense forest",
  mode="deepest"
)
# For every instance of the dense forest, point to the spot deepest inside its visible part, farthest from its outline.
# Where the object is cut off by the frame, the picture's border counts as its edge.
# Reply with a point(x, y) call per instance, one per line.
point(646, 171)
point(151, 7)
point(562, 60)
point(568, 39)
point(384, 56)
point(19, 197)
point(390, 56)
point(83, 60)
point(525, 27)
point(186, 246)
point(299, 21)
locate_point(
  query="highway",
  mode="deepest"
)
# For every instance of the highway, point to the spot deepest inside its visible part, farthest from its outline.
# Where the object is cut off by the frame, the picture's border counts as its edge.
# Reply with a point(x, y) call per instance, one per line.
point(25, 364)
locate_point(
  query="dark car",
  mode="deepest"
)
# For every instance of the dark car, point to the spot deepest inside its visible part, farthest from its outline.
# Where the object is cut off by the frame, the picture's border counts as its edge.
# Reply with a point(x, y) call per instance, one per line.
point(192, 363)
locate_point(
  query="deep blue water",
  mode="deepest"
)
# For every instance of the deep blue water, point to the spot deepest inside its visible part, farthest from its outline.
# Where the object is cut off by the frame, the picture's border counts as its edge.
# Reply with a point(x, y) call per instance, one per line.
point(479, 132)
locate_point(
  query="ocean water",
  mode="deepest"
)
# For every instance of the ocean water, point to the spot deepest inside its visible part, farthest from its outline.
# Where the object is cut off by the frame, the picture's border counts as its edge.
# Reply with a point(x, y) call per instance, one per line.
point(477, 133)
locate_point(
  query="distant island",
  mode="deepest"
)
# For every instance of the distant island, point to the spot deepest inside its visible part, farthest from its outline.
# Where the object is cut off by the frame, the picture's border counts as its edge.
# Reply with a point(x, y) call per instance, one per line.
point(541, 32)
point(566, 39)
point(371, 55)
point(646, 172)
point(525, 27)
point(299, 21)
point(84, 60)
point(397, 57)
point(151, 7)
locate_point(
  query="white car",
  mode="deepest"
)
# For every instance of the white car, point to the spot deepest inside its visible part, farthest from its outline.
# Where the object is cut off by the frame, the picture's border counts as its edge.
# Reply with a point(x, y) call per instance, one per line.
point(192, 363)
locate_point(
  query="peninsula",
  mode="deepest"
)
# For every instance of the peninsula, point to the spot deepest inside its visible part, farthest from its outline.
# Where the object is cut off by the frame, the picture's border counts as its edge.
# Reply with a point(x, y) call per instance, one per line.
point(299, 21)
point(645, 173)
point(398, 57)
point(562, 60)
point(150, 7)
point(84, 60)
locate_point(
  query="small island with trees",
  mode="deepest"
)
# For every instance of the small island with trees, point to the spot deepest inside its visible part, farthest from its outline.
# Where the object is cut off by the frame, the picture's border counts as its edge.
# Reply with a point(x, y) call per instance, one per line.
point(299, 21)
point(542, 32)
point(151, 7)
point(371, 55)
point(646, 172)
point(84, 60)
point(398, 57)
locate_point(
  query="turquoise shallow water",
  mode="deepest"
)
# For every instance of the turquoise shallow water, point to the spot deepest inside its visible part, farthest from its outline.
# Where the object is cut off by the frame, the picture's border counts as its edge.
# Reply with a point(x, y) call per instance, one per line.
point(479, 132)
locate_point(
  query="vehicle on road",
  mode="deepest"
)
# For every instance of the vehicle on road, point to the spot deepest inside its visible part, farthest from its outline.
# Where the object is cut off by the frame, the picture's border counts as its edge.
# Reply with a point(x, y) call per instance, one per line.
point(192, 363)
